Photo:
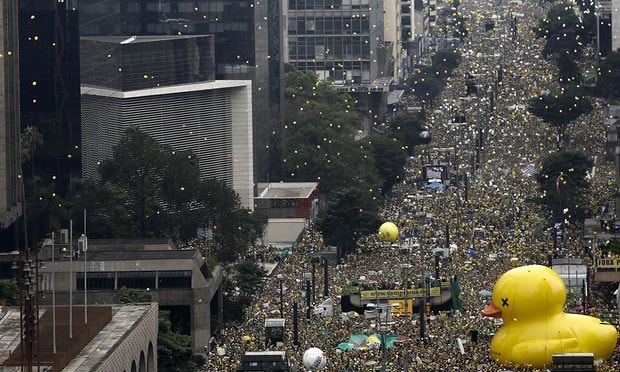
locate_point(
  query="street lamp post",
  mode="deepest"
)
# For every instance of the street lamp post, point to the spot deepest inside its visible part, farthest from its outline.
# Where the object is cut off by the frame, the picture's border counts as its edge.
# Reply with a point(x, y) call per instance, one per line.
point(51, 243)
point(82, 246)
point(281, 280)
point(405, 270)
point(325, 279)
point(384, 310)
point(71, 279)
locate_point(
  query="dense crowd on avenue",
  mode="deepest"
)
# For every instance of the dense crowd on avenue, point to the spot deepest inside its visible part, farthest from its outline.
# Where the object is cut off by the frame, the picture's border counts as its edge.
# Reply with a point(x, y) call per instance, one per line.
point(510, 229)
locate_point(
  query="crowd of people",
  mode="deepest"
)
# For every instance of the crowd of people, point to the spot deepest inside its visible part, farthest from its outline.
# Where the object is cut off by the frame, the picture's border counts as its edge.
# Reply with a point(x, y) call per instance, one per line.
point(491, 223)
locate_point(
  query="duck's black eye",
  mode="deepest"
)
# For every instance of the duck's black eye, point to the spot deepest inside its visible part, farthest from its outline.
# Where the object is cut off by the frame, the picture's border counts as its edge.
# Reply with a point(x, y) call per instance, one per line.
point(505, 302)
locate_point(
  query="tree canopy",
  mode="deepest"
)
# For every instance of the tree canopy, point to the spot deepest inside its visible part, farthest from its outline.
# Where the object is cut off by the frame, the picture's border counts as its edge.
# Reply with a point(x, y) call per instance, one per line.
point(350, 214)
point(426, 83)
point(152, 190)
point(559, 110)
point(390, 159)
point(446, 59)
point(174, 350)
point(406, 128)
point(562, 180)
point(320, 138)
point(8, 293)
point(569, 72)
point(608, 81)
point(559, 17)
point(248, 277)
point(563, 42)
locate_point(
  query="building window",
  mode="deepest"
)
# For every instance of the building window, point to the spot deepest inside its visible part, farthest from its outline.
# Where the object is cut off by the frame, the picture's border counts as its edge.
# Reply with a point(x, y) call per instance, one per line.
point(95, 281)
point(175, 279)
point(136, 279)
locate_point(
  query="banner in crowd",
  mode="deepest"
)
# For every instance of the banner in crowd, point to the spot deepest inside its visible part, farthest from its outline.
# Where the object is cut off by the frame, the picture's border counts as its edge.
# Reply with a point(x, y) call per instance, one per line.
point(399, 293)
point(363, 342)
point(405, 307)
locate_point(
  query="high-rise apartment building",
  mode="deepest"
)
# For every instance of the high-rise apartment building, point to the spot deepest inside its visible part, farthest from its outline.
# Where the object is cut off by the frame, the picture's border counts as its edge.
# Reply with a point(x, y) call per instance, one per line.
point(10, 195)
point(247, 47)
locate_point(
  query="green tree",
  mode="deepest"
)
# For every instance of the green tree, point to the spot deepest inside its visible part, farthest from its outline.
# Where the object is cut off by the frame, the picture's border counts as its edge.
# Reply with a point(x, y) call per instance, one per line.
point(406, 128)
point(248, 277)
point(320, 145)
point(105, 205)
point(562, 180)
point(174, 350)
point(446, 60)
point(137, 166)
point(132, 296)
point(8, 291)
point(237, 230)
point(390, 159)
point(30, 140)
point(350, 214)
point(180, 184)
point(426, 84)
point(588, 16)
point(559, 17)
point(569, 72)
point(559, 110)
point(301, 86)
point(564, 42)
point(234, 304)
point(608, 80)
point(460, 26)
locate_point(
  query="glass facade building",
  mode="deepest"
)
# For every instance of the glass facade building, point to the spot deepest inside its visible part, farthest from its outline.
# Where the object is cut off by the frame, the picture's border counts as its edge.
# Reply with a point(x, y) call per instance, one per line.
point(338, 39)
point(50, 86)
point(247, 39)
point(141, 62)
point(10, 197)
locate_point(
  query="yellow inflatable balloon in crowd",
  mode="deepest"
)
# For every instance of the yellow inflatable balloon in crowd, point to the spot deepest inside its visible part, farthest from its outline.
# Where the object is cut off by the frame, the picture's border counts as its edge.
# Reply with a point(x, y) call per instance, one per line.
point(388, 232)
point(530, 300)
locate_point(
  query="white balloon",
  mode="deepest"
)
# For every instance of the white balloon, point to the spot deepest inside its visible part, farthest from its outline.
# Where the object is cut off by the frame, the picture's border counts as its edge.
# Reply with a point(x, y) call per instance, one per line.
point(314, 359)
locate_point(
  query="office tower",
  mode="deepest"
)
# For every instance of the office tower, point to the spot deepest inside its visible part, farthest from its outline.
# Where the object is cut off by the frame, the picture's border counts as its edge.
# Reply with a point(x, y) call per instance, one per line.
point(392, 21)
point(345, 42)
point(407, 35)
point(421, 28)
point(50, 87)
point(247, 47)
point(10, 191)
point(339, 41)
point(164, 85)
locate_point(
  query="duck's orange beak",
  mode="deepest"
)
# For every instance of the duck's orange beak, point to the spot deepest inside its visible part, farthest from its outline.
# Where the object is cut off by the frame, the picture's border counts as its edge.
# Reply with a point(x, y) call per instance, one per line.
point(492, 311)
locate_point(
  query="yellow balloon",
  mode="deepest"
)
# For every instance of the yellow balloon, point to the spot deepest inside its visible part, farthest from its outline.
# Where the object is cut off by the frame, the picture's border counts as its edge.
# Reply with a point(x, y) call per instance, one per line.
point(388, 232)
point(530, 300)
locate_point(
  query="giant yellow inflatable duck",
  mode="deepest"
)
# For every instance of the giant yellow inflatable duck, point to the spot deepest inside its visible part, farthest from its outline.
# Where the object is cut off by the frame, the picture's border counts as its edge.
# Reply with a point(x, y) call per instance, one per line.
point(530, 300)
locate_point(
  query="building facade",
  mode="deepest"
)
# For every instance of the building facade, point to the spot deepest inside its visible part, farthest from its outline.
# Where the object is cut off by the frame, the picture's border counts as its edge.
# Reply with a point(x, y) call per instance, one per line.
point(164, 85)
point(50, 91)
point(608, 26)
point(111, 338)
point(178, 280)
point(421, 28)
point(407, 28)
point(10, 168)
point(338, 40)
point(615, 25)
point(247, 38)
point(392, 22)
